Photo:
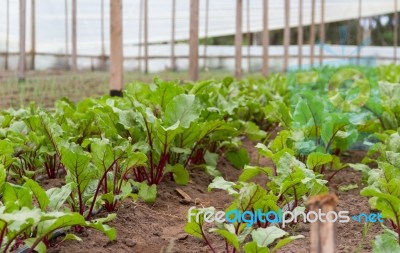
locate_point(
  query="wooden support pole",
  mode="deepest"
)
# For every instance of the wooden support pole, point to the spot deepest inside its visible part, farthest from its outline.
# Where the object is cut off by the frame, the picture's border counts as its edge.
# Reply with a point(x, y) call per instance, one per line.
point(116, 48)
point(248, 36)
point(300, 34)
point(33, 34)
point(322, 33)
point(359, 32)
point(396, 31)
point(205, 66)
point(173, 59)
point(7, 34)
point(146, 36)
point(103, 47)
point(194, 41)
point(74, 36)
point(323, 233)
point(238, 39)
point(22, 33)
point(265, 41)
point(286, 36)
point(140, 35)
point(66, 36)
point(312, 33)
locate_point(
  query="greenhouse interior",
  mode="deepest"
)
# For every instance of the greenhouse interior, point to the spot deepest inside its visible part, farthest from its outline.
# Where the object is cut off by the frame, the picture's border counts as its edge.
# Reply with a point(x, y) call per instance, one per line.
point(194, 126)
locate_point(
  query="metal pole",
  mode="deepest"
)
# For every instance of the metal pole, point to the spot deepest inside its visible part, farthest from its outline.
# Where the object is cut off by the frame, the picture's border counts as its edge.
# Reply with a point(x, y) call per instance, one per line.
point(66, 36)
point(140, 35)
point(7, 34)
point(173, 61)
point(74, 39)
point(359, 31)
point(206, 36)
point(322, 33)
point(396, 32)
point(146, 36)
point(248, 35)
point(103, 49)
point(33, 33)
point(312, 33)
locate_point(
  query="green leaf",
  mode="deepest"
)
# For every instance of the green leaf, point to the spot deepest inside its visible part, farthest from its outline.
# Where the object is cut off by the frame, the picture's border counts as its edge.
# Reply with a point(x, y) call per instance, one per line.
point(265, 236)
point(231, 238)
point(221, 183)
point(181, 175)
point(147, 193)
point(38, 192)
point(250, 172)
point(317, 159)
point(238, 158)
point(58, 196)
point(349, 187)
point(386, 243)
point(251, 247)
point(183, 109)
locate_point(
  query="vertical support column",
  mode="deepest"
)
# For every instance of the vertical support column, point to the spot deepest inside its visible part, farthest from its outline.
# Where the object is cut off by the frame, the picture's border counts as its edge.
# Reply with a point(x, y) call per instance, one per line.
point(248, 36)
point(33, 34)
point(312, 33)
point(22, 31)
point(323, 232)
point(205, 66)
point(116, 50)
point(286, 36)
point(395, 32)
point(265, 40)
point(103, 49)
point(238, 39)
point(322, 33)
point(66, 36)
point(194, 41)
point(140, 35)
point(74, 30)
point(7, 34)
point(146, 36)
point(300, 34)
point(359, 32)
point(173, 60)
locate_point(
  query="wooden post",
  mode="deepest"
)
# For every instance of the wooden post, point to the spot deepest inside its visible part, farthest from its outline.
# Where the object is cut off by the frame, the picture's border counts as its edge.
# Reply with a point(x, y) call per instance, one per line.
point(238, 39)
point(265, 65)
point(194, 40)
point(322, 33)
point(22, 30)
point(33, 34)
point(300, 34)
point(146, 36)
point(205, 66)
point(103, 49)
point(7, 33)
point(248, 36)
point(312, 33)
point(140, 35)
point(323, 233)
point(66, 36)
point(286, 36)
point(359, 32)
point(74, 31)
point(173, 60)
point(396, 31)
point(116, 50)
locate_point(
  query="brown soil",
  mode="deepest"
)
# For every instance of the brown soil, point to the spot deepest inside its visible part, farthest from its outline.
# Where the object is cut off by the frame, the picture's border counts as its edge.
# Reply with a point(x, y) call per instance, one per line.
point(159, 227)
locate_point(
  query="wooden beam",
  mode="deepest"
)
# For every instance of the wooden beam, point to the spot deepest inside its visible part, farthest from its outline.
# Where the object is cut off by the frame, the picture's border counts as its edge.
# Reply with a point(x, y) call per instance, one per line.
point(146, 36)
point(265, 41)
point(205, 66)
point(66, 36)
point(300, 34)
point(322, 33)
point(248, 35)
point(323, 231)
point(116, 48)
point(286, 36)
point(173, 60)
point(395, 32)
point(359, 31)
point(312, 33)
point(74, 36)
point(33, 34)
point(22, 38)
point(140, 35)
point(238, 39)
point(7, 34)
point(194, 40)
